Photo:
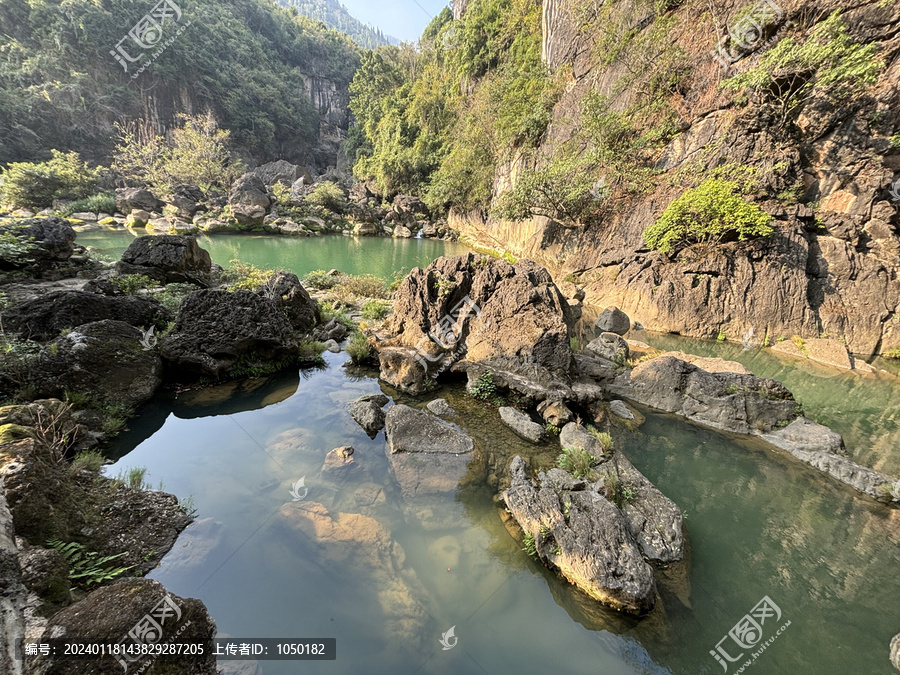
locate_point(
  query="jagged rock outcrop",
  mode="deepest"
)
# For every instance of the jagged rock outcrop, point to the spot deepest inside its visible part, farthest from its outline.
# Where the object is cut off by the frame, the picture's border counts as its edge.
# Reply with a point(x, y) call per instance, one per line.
point(505, 316)
point(825, 174)
point(130, 199)
point(289, 295)
point(109, 613)
point(580, 533)
point(216, 329)
point(167, 258)
point(45, 316)
point(52, 240)
point(282, 171)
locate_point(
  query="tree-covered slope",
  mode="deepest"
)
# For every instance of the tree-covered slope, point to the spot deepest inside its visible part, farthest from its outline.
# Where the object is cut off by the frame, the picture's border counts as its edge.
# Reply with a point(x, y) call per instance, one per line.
point(249, 61)
point(334, 15)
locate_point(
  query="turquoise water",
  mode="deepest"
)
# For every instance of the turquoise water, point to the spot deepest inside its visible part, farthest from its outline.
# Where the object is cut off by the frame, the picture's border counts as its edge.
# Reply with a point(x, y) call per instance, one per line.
point(758, 524)
point(381, 256)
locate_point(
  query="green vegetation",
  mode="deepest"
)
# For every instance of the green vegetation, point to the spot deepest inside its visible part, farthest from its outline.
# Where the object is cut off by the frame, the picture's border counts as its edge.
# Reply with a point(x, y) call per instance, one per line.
point(721, 337)
point(552, 429)
point(134, 478)
point(87, 460)
point(376, 309)
point(329, 196)
point(130, 284)
point(892, 354)
point(37, 184)
point(244, 60)
point(102, 202)
point(358, 349)
point(15, 251)
point(321, 280)
point(530, 547)
point(483, 388)
point(351, 288)
point(334, 15)
point(197, 155)
point(241, 276)
point(827, 63)
point(707, 214)
point(603, 437)
point(87, 568)
point(580, 463)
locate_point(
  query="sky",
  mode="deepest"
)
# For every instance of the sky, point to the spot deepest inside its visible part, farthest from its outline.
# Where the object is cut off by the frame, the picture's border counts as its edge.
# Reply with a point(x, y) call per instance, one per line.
point(404, 19)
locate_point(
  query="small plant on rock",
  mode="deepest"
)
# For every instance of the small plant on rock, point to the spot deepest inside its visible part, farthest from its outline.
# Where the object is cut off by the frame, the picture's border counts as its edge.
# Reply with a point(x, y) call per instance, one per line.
point(484, 388)
point(530, 547)
point(87, 568)
point(580, 463)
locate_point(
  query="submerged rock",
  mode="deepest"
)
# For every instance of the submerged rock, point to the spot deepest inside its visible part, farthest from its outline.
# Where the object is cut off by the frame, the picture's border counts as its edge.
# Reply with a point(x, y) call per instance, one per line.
point(585, 537)
point(339, 462)
point(522, 425)
point(439, 406)
point(108, 615)
point(620, 409)
point(508, 317)
point(413, 431)
point(167, 258)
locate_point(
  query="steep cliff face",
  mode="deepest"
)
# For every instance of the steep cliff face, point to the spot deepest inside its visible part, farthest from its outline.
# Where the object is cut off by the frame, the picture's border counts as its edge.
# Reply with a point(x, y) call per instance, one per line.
point(331, 100)
point(832, 264)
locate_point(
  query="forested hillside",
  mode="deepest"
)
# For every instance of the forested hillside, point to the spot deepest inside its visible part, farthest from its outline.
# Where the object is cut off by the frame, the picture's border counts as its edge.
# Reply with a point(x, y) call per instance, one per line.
point(334, 15)
point(63, 83)
point(708, 168)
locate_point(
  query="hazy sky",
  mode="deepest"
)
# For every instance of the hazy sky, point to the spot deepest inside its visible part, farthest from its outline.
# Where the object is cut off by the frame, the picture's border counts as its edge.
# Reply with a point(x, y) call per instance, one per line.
point(403, 19)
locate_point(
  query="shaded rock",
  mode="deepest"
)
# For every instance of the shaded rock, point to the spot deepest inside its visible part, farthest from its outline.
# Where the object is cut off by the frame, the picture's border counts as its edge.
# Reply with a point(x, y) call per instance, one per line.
point(403, 369)
point(53, 240)
point(521, 423)
point(168, 258)
point(365, 229)
point(129, 199)
point(102, 359)
point(610, 346)
point(44, 317)
point(619, 409)
point(185, 200)
point(249, 190)
point(379, 399)
point(137, 218)
point(46, 573)
point(109, 613)
point(590, 546)
point(508, 317)
point(613, 320)
point(555, 413)
point(332, 346)
point(710, 364)
point(248, 214)
point(289, 295)
point(731, 401)
point(369, 415)
point(403, 232)
point(439, 406)
point(215, 330)
point(282, 171)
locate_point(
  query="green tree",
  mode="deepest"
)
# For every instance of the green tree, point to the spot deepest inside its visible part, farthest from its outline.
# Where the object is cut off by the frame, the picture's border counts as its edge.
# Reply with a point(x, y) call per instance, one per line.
point(37, 184)
point(708, 213)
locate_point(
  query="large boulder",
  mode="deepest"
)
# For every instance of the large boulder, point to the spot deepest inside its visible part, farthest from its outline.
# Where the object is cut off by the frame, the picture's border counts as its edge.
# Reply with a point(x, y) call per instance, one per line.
point(480, 308)
point(289, 295)
point(580, 533)
point(108, 360)
point(129, 199)
point(53, 240)
point(115, 614)
point(249, 190)
point(613, 320)
point(216, 329)
point(281, 171)
point(45, 316)
point(185, 200)
point(368, 414)
point(610, 346)
point(168, 258)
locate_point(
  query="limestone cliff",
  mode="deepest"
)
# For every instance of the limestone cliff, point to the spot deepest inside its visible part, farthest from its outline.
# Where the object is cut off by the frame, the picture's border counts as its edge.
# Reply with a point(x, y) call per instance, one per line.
point(830, 180)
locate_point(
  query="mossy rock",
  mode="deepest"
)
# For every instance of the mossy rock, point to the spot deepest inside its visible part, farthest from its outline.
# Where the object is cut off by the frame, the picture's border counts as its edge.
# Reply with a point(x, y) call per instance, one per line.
point(10, 433)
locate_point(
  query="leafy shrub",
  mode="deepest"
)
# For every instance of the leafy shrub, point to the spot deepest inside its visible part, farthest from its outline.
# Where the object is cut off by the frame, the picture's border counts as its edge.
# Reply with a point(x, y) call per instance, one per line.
point(130, 284)
point(892, 354)
point(36, 184)
point(484, 388)
point(375, 309)
point(327, 195)
point(321, 280)
point(707, 213)
point(578, 462)
point(87, 568)
point(361, 286)
point(243, 276)
point(172, 295)
point(530, 547)
point(603, 437)
point(358, 349)
point(15, 251)
point(102, 202)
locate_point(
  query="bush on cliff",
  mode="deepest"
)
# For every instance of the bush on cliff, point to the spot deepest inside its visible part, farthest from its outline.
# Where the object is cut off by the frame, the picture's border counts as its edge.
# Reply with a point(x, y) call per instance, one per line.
point(708, 213)
point(37, 184)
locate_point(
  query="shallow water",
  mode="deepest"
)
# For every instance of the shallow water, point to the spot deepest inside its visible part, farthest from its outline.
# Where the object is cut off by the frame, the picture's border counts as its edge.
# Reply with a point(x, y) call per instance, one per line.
point(758, 523)
point(381, 256)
